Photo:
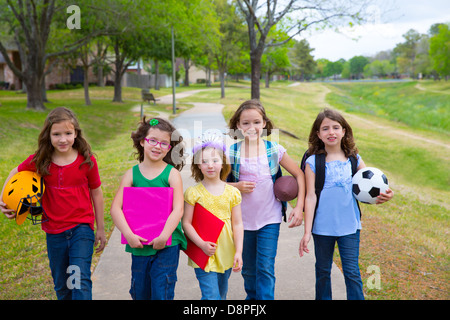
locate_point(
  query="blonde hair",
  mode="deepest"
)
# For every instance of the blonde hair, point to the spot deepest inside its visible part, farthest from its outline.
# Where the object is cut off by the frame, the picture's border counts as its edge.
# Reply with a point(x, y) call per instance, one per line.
point(197, 173)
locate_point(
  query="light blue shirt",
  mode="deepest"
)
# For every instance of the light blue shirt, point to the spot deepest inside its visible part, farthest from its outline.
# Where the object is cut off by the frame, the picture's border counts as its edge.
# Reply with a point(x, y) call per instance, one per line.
point(337, 213)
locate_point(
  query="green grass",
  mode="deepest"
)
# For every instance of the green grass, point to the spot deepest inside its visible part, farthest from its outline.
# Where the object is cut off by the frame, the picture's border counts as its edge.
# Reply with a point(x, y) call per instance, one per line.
point(406, 237)
point(399, 101)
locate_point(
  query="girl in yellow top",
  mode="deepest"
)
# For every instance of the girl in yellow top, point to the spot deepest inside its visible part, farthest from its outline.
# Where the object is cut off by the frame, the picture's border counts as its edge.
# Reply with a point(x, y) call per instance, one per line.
point(210, 169)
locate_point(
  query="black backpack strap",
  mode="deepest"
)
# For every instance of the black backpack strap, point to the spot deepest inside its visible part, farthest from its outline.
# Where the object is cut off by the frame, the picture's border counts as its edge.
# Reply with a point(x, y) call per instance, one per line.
point(320, 178)
point(354, 162)
point(320, 173)
point(303, 162)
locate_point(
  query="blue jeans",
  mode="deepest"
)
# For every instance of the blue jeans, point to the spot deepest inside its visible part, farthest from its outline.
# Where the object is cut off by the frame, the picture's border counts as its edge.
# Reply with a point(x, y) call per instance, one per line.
point(349, 251)
point(213, 285)
point(258, 255)
point(70, 256)
point(154, 277)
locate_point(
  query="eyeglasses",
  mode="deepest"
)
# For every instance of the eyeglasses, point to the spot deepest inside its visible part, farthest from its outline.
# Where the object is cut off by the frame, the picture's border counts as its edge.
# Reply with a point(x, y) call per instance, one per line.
point(153, 142)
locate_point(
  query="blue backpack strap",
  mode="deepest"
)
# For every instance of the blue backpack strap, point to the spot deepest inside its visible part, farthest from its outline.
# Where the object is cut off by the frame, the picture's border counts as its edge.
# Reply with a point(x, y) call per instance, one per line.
point(235, 156)
point(275, 169)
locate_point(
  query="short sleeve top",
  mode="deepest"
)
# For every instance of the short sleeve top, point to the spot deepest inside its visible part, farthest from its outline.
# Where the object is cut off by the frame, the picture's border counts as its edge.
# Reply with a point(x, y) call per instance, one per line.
point(221, 207)
point(337, 213)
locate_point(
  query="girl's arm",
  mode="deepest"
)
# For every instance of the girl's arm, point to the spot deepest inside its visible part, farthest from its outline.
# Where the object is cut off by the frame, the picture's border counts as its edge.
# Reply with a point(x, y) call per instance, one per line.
point(297, 213)
point(310, 205)
point(9, 213)
point(117, 213)
point(177, 212)
point(209, 248)
point(99, 207)
point(238, 236)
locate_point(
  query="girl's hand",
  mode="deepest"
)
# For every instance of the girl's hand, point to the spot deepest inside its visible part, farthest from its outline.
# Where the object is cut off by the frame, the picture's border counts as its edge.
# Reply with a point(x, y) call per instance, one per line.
point(209, 248)
point(135, 241)
point(296, 217)
point(237, 264)
point(9, 213)
point(383, 197)
point(100, 240)
point(246, 186)
point(304, 244)
point(158, 243)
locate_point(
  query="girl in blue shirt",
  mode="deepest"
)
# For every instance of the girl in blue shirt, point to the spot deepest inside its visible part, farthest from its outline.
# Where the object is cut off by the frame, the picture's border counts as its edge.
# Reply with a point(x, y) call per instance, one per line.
point(337, 218)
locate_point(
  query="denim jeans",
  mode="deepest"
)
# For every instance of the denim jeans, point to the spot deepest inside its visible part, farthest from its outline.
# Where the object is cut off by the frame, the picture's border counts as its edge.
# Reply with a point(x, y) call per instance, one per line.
point(349, 251)
point(258, 255)
point(213, 285)
point(70, 256)
point(154, 277)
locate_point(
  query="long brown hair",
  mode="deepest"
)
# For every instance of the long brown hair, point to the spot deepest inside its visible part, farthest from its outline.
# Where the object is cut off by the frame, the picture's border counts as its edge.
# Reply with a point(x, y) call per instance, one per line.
point(316, 146)
point(246, 105)
point(175, 139)
point(44, 152)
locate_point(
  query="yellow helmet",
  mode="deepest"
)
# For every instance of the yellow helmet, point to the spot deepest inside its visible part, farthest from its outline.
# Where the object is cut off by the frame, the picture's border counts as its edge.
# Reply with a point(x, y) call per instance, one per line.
point(23, 194)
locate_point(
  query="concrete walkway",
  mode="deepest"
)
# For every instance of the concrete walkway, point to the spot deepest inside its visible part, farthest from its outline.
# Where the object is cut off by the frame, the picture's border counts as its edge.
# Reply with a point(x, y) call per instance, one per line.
point(295, 276)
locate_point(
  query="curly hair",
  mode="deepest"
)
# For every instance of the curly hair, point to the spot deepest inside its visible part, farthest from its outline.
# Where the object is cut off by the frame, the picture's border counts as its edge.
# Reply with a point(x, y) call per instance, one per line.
point(246, 105)
point(316, 146)
point(196, 160)
point(43, 154)
point(175, 156)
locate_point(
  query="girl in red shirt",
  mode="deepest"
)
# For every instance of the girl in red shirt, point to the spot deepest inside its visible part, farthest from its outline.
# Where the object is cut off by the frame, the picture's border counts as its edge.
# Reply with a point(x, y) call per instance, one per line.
point(72, 201)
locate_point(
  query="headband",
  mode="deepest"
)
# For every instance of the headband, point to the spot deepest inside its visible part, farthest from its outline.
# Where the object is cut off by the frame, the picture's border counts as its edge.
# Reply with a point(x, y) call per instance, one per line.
point(209, 139)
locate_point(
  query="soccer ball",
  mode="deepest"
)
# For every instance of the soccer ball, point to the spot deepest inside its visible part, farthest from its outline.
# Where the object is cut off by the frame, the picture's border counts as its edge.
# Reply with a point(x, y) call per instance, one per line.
point(368, 183)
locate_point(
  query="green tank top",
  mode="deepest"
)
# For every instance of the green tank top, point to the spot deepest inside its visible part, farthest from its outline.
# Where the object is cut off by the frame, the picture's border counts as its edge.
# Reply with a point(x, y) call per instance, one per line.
point(162, 180)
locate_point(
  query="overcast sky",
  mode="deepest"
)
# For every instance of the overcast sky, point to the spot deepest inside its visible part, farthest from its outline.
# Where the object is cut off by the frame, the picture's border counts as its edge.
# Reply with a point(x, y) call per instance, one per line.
point(384, 33)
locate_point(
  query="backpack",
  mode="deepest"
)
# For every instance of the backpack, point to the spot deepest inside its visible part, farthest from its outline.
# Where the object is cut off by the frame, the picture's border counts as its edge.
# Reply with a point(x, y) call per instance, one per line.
point(320, 174)
point(272, 157)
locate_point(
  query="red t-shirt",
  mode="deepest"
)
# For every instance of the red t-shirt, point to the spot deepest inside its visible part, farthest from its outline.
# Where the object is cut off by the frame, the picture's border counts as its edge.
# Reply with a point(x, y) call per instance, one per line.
point(67, 200)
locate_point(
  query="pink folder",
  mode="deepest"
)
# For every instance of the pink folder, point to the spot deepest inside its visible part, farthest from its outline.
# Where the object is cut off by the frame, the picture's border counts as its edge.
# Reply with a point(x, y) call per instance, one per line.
point(208, 227)
point(146, 211)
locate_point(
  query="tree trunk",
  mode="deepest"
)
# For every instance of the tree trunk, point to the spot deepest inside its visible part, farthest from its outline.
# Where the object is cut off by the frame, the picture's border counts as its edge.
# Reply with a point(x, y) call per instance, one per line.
point(100, 81)
point(267, 79)
point(117, 87)
point(118, 63)
point(156, 74)
point(222, 83)
point(255, 63)
point(186, 72)
point(34, 93)
point(87, 100)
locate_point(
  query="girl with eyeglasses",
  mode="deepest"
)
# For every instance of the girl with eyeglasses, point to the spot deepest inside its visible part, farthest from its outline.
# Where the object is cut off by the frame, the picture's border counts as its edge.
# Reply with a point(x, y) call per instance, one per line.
point(154, 266)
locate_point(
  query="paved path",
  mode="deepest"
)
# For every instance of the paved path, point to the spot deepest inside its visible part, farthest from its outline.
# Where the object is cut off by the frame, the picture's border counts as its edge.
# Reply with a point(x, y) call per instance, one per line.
point(295, 276)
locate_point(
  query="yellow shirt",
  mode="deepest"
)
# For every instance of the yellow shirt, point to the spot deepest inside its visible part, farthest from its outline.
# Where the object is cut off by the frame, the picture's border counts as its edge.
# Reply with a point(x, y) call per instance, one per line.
point(221, 207)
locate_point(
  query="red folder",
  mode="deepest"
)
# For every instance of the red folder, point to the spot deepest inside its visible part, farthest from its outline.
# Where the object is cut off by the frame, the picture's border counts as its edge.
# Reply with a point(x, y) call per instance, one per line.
point(146, 211)
point(208, 227)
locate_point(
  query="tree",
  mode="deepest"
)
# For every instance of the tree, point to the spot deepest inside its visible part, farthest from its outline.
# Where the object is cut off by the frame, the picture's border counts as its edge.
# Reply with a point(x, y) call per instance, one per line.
point(440, 50)
point(357, 64)
point(300, 16)
point(32, 25)
point(407, 51)
point(333, 69)
point(302, 60)
point(228, 39)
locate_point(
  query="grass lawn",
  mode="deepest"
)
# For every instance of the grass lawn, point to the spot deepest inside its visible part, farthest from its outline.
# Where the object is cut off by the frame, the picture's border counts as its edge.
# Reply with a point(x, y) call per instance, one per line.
point(406, 238)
